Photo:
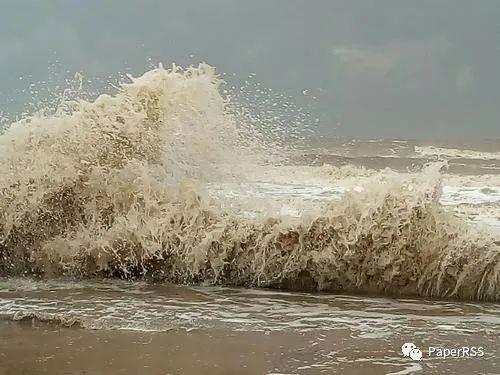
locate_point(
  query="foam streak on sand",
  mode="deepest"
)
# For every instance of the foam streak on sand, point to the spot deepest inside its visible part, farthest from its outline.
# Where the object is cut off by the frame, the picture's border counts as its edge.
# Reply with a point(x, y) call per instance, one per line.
point(116, 187)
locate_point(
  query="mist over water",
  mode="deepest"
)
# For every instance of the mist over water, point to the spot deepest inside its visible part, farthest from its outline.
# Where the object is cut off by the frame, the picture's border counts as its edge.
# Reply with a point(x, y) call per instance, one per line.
point(144, 184)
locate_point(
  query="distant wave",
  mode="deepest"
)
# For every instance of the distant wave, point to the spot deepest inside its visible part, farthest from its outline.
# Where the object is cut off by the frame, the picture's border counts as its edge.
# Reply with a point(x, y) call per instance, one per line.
point(455, 153)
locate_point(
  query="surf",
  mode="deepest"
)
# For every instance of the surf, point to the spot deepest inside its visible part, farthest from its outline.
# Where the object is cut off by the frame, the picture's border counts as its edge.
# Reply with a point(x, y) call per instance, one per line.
point(118, 187)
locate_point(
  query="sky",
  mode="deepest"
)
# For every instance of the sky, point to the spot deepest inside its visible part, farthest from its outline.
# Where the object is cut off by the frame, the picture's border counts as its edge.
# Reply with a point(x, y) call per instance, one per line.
point(363, 68)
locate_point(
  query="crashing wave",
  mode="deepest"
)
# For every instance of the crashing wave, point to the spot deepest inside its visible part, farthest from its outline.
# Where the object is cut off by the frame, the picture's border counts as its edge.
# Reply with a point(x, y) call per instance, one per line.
point(115, 187)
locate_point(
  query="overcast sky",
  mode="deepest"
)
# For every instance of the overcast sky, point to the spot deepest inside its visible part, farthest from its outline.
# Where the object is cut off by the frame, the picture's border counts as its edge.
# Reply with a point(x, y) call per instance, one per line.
point(379, 68)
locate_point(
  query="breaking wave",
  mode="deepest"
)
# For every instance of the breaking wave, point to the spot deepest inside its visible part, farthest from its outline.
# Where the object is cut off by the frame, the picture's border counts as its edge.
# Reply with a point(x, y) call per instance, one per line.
point(117, 187)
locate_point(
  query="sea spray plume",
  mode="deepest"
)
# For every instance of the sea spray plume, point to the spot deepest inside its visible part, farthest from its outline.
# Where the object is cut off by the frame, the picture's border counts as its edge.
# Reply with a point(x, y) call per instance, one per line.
point(86, 170)
point(279, 128)
point(115, 187)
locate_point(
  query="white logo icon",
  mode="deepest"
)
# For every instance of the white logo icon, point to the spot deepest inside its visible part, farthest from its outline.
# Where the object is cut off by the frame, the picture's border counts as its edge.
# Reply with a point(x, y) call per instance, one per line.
point(416, 354)
point(410, 350)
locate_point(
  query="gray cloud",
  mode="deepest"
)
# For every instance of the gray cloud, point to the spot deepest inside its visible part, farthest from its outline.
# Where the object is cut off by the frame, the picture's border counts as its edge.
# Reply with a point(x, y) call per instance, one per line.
point(381, 68)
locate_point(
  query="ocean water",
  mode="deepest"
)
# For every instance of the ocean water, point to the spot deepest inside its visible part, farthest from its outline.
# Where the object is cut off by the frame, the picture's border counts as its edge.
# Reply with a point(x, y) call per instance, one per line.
point(114, 327)
point(163, 230)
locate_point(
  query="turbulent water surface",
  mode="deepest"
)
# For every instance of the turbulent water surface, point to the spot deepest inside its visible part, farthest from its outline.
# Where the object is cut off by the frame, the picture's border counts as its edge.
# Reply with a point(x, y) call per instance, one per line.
point(169, 182)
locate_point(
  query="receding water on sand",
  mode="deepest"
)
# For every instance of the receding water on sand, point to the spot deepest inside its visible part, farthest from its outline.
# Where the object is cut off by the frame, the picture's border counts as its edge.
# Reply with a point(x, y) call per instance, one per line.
point(134, 327)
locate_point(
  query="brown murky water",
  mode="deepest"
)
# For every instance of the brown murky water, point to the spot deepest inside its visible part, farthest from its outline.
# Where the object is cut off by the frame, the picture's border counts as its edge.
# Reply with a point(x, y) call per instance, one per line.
point(49, 350)
point(62, 327)
point(114, 327)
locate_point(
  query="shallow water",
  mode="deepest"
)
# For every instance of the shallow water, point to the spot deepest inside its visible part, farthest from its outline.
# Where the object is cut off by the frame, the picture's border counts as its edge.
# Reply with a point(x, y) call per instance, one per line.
point(134, 327)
